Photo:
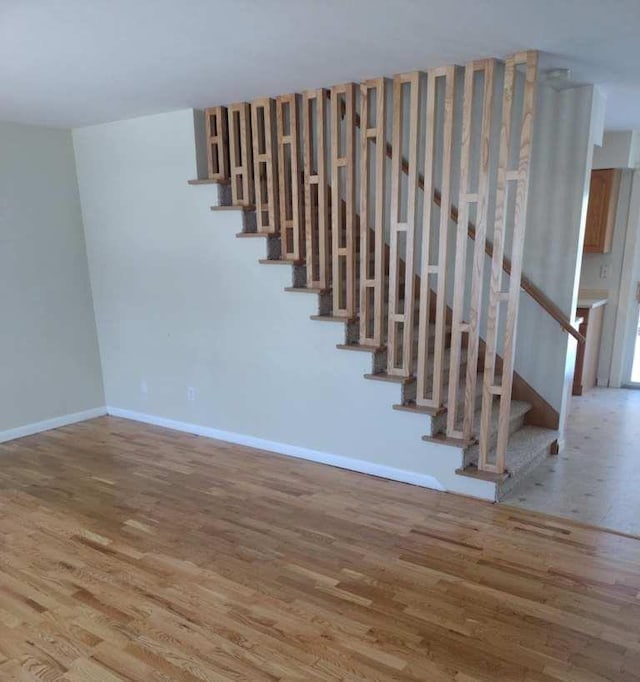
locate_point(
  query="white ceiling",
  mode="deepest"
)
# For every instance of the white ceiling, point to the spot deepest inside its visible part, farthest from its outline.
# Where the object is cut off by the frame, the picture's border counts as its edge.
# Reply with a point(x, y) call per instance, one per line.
point(78, 62)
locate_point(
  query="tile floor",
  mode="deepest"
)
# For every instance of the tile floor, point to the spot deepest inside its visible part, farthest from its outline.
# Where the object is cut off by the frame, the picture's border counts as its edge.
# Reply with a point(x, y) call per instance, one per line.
point(596, 478)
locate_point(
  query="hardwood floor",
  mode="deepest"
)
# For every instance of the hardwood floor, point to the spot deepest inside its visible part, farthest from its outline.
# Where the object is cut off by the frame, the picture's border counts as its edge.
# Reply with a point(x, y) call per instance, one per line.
point(134, 552)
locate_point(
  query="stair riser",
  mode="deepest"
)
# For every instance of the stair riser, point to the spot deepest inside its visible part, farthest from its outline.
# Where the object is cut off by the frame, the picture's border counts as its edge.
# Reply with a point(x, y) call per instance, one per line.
point(471, 453)
point(224, 195)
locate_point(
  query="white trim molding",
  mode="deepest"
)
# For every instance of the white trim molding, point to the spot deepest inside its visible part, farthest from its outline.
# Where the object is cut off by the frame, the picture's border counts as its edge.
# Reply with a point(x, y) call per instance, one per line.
point(359, 465)
point(54, 423)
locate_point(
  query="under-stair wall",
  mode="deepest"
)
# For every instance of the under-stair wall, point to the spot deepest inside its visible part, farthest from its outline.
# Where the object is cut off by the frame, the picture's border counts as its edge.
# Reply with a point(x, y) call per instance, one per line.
point(180, 302)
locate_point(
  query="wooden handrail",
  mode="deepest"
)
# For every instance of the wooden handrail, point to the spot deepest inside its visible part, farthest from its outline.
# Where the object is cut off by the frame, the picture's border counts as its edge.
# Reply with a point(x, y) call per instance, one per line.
point(525, 283)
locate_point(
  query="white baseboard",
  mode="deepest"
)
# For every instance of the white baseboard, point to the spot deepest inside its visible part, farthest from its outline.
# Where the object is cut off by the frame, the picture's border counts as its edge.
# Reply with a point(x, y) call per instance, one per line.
point(55, 423)
point(359, 465)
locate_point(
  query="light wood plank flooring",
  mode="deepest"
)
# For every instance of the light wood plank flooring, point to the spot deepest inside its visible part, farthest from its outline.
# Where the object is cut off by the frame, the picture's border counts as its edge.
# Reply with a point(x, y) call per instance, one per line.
point(134, 552)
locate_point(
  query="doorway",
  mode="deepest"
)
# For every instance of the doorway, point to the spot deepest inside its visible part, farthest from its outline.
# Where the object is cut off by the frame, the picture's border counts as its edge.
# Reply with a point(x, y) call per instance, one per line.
point(634, 375)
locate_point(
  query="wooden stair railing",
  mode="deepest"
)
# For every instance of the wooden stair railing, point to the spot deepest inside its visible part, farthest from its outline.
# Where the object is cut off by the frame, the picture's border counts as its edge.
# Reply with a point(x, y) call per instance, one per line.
point(525, 283)
point(348, 261)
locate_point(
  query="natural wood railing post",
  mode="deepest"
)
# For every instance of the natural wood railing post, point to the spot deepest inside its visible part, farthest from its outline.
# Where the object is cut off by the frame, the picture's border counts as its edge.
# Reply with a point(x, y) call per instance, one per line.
point(372, 211)
point(507, 178)
point(437, 270)
point(289, 176)
point(343, 199)
point(316, 203)
point(265, 164)
point(241, 154)
point(217, 136)
point(479, 198)
point(403, 227)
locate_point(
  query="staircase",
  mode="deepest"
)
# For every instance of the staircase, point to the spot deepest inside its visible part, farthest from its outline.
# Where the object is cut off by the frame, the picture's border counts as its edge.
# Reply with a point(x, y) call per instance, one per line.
point(416, 281)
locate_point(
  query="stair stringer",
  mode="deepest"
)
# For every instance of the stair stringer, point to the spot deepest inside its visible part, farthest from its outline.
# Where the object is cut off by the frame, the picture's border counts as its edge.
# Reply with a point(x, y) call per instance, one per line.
point(396, 452)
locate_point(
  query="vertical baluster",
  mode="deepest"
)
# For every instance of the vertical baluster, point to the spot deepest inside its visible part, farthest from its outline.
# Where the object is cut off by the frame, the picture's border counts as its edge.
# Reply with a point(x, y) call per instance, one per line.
point(403, 218)
point(436, 270)
point(343, 199)
point(217, 143)
point(480, 199)
point(506, 179)
point(290, 177)
point(372, 211)
point(241, 154)
point(265, 164)
point(316, 208)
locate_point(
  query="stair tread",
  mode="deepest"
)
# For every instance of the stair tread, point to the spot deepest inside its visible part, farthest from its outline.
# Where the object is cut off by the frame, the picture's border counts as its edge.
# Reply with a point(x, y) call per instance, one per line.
point(246, 235)
point(517, 409)
point(207, 181)
point(392, 378)
point(525, 446)
point(362, 347)
point(277, 261)
point(331, 318)
point(419, 409)
point(233, 208)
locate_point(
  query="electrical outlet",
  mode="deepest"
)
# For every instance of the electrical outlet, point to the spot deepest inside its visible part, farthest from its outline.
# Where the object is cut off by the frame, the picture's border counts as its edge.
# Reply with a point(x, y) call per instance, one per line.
point(144, 387)
point(191, 394)
point(604, 271)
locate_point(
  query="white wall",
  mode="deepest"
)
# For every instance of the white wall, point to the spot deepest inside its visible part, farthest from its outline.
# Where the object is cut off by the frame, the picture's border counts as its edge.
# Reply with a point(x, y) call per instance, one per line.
point(620, 149)
point(568, 122)
point(180, 302)
point(49, 361)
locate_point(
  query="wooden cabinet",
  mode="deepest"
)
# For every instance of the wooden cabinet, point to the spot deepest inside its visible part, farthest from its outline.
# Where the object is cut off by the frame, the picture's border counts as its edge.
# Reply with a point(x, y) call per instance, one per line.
point(601, 214)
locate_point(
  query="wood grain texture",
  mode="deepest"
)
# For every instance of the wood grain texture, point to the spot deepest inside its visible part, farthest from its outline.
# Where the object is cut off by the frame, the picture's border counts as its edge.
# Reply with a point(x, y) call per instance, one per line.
point(343, 200)
point(482, 191)
point(131, 552)
point(601, 213)
point(434, 307)
point(459, 327)
point(372, 212)
point(265, 164)
point(520, 176)
point(241, 154)
point(290, 176)
point(217, 134)
point(316, 189)
point(402, 290)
